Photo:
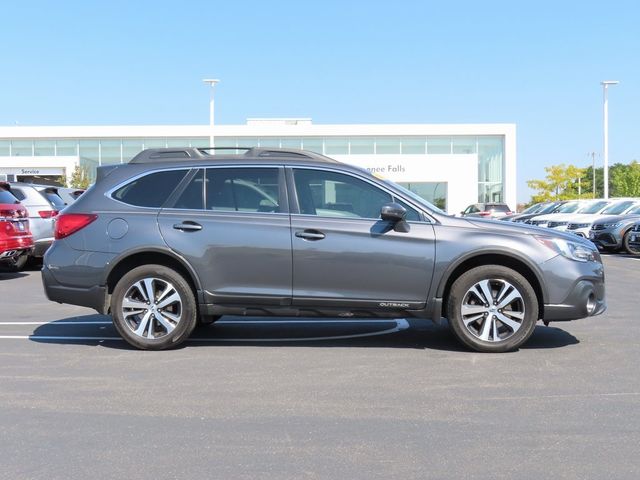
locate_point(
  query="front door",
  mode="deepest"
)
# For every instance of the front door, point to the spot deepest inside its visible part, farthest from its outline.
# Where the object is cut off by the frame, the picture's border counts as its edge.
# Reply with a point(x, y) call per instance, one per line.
point(232, 225)
point(344, 254)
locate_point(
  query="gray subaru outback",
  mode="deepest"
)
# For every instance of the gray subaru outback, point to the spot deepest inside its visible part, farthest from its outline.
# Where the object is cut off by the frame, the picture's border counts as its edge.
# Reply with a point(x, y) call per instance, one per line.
point(178, 237)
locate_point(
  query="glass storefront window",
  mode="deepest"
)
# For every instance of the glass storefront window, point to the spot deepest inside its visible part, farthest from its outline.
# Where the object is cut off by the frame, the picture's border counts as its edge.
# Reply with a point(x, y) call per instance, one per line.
point(414, 146)
point(291, 142)
point(336, 146)
point(464, 145)
point(387, 146)
point(177, 142)
point(21, 148)
point(438, 145)
point(434, 192)
point(130, 148)
point(67, 147)
point(270, 142)
point(490, 159)
point(89, 152)
point(491, 192)
point(362, 145)
point(155, 142)
point(5, 148)
point(225, 141)
point(110, 152)
point(247, 142)
point(200, 142)
point(44, 147)
point(313, 144)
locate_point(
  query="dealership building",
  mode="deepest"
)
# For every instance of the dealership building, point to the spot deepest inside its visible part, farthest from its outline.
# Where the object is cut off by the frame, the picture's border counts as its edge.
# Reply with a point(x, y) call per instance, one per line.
point(450, 165)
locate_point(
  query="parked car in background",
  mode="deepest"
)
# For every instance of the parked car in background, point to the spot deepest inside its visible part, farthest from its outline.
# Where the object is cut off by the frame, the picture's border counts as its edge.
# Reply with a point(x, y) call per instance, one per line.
point(15, 238)
point(43, 203)
point(560, 219)
point(487, 210)
point(69, 195)
point(542, 209)
point(613, 232)
point(581, 223)
point(178, 236)
point(632, 241)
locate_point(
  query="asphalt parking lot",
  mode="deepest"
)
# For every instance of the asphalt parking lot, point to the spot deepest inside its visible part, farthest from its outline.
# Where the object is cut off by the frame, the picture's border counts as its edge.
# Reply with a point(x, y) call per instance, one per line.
point(291, 398)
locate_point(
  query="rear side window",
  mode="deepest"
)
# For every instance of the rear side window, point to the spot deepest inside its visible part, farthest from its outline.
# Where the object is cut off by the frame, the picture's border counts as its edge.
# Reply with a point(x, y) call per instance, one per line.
point(242, 190)
point(53, 198)
point(6, 197)
point(151, 190)
point(19, 194)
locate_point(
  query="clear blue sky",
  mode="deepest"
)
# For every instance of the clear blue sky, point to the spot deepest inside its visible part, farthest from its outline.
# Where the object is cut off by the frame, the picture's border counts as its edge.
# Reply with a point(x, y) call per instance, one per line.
point(536, 64)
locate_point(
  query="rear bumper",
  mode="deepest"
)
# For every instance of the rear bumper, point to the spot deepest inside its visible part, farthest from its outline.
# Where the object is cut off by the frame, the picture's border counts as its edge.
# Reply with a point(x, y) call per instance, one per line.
point(41, 246)
point(93, 297)
point(586, 299)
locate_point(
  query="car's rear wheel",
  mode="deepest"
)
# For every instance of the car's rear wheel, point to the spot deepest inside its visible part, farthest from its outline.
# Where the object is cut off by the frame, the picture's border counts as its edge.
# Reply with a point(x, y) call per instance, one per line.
point(492, 309)
point(631, 247)
point(153, 308)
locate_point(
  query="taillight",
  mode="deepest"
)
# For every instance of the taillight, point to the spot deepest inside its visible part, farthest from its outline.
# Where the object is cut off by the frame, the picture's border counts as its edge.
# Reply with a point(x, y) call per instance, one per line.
point(48, 213)
point(69, 223)
point(484, 214)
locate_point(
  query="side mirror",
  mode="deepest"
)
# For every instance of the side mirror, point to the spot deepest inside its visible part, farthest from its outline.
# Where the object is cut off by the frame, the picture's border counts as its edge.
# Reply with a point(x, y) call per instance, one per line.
point(393, 212)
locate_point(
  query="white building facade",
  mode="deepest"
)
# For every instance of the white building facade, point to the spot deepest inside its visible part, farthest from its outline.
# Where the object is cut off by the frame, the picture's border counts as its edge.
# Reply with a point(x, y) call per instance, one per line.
point(450, 165)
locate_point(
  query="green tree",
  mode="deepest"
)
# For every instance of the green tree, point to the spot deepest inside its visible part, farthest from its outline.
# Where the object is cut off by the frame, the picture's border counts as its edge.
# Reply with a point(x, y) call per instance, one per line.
point(561, 183)
point(80, 178)
point(624, 180)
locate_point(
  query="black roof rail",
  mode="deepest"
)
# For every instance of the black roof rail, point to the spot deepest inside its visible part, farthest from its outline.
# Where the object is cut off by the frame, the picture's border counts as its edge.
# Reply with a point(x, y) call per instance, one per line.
point(152, 155)
point(155, 155)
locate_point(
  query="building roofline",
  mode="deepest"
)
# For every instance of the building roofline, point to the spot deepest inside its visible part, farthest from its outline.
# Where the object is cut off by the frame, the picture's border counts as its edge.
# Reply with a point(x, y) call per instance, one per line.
point(313, 130)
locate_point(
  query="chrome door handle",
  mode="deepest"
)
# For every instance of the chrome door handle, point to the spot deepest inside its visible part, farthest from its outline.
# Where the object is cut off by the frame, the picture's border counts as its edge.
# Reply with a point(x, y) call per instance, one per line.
point(188, 226)
point(310, 235)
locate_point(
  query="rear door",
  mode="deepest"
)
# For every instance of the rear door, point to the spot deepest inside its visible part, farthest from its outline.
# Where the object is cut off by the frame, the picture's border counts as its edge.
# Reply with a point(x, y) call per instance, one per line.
point(345, 255)
point(232, 225)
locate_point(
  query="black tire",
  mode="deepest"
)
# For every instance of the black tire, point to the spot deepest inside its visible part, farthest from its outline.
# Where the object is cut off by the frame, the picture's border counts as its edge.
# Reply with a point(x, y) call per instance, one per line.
point(14, 264)
point(153, 333)
point(504, 338)
point(630, 248)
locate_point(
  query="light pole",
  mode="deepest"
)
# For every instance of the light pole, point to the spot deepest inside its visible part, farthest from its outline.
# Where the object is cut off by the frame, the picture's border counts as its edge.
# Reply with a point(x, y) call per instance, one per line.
point(605, 85)
point(212, 82)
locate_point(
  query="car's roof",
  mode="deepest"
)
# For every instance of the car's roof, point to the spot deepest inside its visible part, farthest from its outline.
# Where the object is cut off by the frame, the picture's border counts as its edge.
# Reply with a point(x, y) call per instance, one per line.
point(195, 156)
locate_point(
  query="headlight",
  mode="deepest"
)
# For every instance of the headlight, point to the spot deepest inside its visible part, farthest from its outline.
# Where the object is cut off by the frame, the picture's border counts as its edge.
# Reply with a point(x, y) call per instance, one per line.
point(571, 250)
point(612, 225)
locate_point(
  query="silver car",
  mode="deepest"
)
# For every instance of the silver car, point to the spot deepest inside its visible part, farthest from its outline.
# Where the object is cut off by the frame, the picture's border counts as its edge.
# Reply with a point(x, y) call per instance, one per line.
point(178, 235)
point(43, 204)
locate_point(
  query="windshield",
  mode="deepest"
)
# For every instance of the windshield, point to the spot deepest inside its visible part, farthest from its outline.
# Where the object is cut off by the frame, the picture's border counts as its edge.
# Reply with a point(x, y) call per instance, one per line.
point(618, 208)
point(551, 207)
point(537, 208)
point(569, 207)
point(417, 198)
point(593, 207)
point(634, 210)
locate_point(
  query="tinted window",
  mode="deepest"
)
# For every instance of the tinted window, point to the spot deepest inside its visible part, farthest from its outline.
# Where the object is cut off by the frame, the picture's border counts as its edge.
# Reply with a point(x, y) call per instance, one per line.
point(193, 195)
point(6, 197)
point(617, 208)
point(242, 189)
point(498, 207)
point(593, 207)
point(329, 194)
point(151, 190)
point(19, 194)
point(53, 198)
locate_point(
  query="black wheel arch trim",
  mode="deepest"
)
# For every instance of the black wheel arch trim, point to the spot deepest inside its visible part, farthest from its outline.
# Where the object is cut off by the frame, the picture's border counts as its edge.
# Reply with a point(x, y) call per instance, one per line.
point(512, 254)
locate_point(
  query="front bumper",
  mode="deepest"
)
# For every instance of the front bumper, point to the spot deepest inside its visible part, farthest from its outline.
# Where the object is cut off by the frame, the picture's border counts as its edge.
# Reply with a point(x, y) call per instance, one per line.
point(586, 299)
point(606, 239)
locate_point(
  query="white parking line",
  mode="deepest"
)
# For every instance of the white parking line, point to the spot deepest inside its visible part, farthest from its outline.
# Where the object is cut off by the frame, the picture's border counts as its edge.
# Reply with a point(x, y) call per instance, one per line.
point(401, 324)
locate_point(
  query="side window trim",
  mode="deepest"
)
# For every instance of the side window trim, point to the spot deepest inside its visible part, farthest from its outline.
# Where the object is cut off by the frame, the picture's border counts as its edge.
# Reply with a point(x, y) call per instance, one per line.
point(294, 204)
point(282, 193)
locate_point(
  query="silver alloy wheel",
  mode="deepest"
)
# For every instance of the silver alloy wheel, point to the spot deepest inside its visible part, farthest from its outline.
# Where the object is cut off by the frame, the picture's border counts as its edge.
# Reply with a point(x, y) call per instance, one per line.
point(152, 308)
point(493, 310)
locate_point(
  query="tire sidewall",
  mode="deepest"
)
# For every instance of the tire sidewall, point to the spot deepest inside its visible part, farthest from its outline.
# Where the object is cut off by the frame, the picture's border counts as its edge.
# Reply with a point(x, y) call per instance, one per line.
point(189, 309)
point(466, 281)
point(625, 242)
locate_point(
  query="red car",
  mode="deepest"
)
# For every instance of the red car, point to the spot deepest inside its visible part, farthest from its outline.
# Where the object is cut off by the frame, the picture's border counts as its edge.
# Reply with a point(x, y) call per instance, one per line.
point(15, 236)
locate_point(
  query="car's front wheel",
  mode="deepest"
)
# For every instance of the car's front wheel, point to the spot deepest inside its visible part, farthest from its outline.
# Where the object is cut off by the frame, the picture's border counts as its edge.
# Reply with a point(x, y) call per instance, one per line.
point(492, 309)
point(632, 247)
point(153, 308)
